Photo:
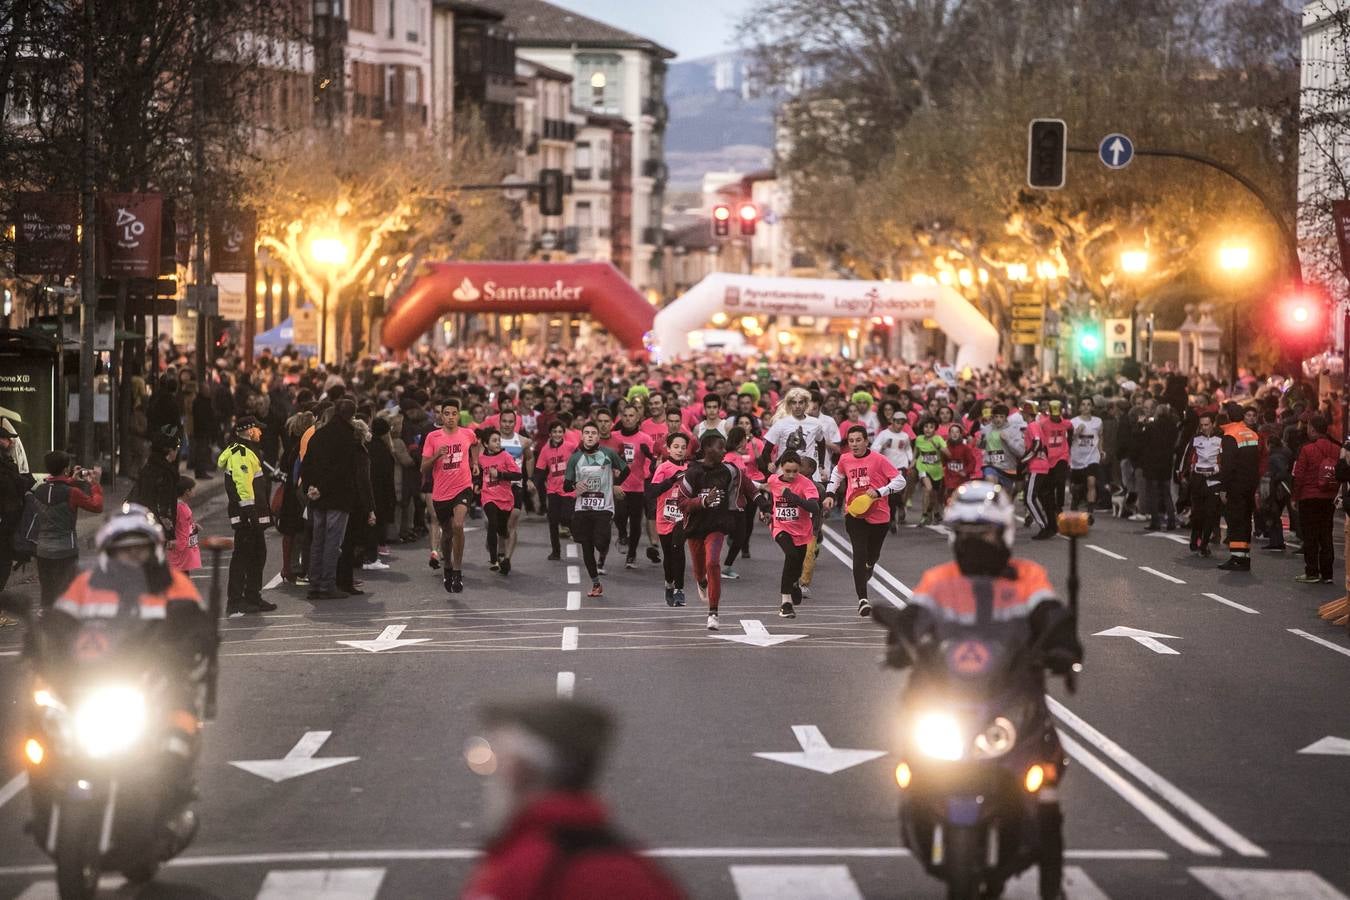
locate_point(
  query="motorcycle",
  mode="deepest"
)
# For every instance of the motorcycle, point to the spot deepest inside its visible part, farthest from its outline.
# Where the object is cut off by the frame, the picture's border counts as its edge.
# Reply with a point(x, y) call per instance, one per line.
point(109, 747)
point(980, 760)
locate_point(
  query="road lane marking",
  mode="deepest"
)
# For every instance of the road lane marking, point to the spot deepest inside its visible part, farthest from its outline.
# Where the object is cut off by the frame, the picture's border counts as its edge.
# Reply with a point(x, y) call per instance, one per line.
point(1166, 822)
point(1162, 575)
point(1174, 538)
point(1317, 640)
point(1077, 885)
point(470, 853)
point(1226, 602)
point(1160, 785)
point(13, 788)
point(569, 638)
point(1103, 551)
point(322, 884)
point(1257, 884)
point(299, 760)
point(845, 555)
point(571, 551)
point(817, 754)
point(1144, 638)
point(46, 890)
point(573, 575)
point(567, 684)
point(574, 600)
point(794, 883)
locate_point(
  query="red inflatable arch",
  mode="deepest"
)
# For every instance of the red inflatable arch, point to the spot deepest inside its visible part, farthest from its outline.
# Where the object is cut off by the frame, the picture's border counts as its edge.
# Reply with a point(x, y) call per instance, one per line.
point(512, 288)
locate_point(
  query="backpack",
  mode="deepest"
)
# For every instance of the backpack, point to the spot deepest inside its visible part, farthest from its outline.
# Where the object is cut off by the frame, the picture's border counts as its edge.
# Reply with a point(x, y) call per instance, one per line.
point(30, 526)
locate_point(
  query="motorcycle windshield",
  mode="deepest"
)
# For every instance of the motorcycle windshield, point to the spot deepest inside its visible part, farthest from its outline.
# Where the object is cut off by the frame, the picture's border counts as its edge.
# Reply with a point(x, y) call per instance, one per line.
point(987, 659)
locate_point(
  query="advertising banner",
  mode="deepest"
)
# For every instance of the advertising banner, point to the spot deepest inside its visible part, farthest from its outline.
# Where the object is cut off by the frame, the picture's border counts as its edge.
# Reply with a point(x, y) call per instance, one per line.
point(233, 233)
point(232, 296)
point(44, 233)
point(305, 325)
point(129, 235)
point(28, 400)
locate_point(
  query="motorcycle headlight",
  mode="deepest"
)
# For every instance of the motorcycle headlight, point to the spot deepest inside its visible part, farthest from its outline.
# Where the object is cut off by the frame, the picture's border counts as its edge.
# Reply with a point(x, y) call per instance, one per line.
point(938, 735)
point(109, 720)
point(997, 739)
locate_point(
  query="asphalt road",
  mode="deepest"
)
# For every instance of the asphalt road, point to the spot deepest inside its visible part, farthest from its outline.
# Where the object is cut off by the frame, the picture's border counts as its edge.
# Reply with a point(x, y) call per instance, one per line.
point(1188, 782)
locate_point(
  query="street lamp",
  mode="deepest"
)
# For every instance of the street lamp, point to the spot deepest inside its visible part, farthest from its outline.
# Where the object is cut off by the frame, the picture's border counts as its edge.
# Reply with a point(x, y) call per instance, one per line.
point(330, 252)
point(1134, 262)
point(1234, 261)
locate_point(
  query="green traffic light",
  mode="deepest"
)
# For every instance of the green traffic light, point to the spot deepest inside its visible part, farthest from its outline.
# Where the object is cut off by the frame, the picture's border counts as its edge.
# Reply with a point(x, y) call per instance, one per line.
point(1090, 343)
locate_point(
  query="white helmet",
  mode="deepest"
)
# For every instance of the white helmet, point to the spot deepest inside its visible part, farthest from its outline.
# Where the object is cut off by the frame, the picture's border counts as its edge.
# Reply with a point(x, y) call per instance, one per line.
point(132, 524)
point(982, 503)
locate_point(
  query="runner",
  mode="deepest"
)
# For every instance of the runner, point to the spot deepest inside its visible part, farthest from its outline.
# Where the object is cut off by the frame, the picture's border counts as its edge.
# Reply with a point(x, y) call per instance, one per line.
point(743, 452)
point(559, 502)
point(450, 456)
point(521, 449)
point(793, 503)
point(595, 473)
point(1001, 446)
point(896, 443)
point(931, 453)
point(1085, 457)
point(664, 490)
point(1040, 491)
point(635, 447)
point(792, 429)
point(864, 474)
point(1055, 433)
point(501, 476)
point(712, 495)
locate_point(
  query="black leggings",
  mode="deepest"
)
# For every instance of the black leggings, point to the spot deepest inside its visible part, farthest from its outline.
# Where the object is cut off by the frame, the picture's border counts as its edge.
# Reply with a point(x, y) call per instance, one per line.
point(498, 520)
point(629, 514)
point(794, 558)
point(559, 513)
point(740, 539)
point(590, 529)
point(672, 557)
point(866, 539)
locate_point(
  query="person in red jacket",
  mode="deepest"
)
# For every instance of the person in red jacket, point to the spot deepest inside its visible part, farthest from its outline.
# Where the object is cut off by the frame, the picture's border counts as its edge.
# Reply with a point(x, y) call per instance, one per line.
point(1315, 488)
point(553, 834)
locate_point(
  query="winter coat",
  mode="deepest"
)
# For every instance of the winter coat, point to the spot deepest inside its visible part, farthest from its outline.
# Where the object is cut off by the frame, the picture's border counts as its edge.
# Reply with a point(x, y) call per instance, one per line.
point(60, 498)
point(156, 489)
point(291, 519)
point(382, 485)
point(1156, 456)
point(1312, 459)
point(330, 466)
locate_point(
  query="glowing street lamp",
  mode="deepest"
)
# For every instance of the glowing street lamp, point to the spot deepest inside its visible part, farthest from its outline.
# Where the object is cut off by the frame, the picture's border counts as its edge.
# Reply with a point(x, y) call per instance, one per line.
point(332, 253)
point(1134, 262)
point(1235, 258)
point(1018, 272)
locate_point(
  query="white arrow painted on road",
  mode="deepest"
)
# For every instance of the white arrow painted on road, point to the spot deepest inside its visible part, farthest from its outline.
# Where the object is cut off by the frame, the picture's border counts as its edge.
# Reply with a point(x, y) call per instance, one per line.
point(1148, 638)
point(300, 761)
point(388, 639)
point(756, 635)
point(817, 754)
point(1328, 746)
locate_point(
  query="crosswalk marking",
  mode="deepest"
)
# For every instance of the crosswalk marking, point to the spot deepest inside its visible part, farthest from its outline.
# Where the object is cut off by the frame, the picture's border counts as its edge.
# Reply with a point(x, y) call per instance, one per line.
point(1077, 885)
point(322, 884)
point(794, 883)
point(1261, 884)
point(46, 890)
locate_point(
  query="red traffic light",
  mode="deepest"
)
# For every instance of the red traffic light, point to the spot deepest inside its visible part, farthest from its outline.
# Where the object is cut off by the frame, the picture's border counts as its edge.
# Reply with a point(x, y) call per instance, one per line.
point(1303, 315)
point(749, 216)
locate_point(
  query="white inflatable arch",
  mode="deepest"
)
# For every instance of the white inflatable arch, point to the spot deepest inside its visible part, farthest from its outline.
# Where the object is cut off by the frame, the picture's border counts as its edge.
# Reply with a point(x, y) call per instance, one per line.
point(748, 295)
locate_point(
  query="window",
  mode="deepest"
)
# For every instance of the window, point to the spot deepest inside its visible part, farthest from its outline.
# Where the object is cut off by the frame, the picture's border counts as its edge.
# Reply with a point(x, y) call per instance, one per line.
point(363, 16)
point(393, 14)
point(585, 224)
point(599, 82)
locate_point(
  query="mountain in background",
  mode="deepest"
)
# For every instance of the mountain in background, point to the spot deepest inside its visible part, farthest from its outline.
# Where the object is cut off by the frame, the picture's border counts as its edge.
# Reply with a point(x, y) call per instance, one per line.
point(715, 124)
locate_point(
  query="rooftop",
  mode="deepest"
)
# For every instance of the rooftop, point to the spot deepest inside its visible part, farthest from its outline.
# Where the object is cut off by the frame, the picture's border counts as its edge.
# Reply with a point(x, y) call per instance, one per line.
point(540, 24)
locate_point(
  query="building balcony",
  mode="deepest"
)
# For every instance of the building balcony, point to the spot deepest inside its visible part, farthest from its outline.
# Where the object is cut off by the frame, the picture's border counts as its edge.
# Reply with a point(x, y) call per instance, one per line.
point(584, 174)
point(655, 168)
point(559, 130)
point(655, 107)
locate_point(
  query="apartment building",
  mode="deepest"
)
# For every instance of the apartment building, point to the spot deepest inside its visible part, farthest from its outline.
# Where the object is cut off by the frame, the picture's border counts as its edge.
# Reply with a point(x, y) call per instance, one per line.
point(616, 73)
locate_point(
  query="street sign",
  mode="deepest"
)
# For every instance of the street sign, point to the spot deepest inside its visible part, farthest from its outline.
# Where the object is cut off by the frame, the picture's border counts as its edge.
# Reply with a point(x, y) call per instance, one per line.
point(1029, 340)
point(1115, 151)
point(1027, 326)
point(1036, 312)
point(1119, 340)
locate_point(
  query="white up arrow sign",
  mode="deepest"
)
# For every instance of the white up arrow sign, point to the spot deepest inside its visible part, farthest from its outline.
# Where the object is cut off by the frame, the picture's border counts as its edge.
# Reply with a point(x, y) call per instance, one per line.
point(756, 635)
point(1328, 746)
point(817, 754)
point(300, 761)
point(1148, 638)
point(388, 639)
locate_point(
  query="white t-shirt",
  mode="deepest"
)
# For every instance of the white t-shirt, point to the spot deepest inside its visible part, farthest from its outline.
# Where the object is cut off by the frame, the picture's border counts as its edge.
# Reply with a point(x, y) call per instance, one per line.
point(804, 436)
point(896, 447)
point(703, 428)
point(1086, 448)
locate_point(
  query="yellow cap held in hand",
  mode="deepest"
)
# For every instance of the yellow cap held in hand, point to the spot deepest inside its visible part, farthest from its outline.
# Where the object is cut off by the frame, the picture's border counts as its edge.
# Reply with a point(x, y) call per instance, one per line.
point(860, 505)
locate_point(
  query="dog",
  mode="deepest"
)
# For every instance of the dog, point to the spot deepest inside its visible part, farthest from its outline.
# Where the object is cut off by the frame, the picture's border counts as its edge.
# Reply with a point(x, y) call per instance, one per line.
point(1118, 496)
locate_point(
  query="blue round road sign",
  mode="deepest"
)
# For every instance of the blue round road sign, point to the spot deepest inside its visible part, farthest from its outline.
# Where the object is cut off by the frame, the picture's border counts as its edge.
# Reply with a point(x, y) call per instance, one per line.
point(1115, 151)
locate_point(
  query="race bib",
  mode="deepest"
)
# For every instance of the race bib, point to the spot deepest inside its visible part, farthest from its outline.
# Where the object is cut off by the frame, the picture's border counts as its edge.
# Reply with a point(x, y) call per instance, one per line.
point(591, 501)
point(955, 465)
point(929, 459)
point(629, 452)
point(192, 539)
point(785, 512)
point(996, 458)
point(671, 512)
point(704, 494)
point(558, 467)
point(1056, 438)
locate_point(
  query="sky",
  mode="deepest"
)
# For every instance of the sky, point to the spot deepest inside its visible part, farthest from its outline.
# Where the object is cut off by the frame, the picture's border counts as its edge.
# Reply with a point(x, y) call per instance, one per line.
point(692, 28)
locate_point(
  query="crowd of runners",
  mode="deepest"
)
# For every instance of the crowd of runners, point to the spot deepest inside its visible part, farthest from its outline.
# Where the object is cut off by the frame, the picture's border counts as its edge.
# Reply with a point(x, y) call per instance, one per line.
point(675, 465)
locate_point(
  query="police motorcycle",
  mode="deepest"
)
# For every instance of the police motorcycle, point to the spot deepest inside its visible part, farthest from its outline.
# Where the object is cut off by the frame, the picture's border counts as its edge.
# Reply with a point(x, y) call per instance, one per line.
point(113, 722)
point(980, 762)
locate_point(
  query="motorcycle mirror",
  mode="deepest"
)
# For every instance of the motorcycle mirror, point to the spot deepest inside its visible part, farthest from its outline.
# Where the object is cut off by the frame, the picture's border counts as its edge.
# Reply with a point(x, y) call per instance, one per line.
point(218, 544)
point(1073, 524)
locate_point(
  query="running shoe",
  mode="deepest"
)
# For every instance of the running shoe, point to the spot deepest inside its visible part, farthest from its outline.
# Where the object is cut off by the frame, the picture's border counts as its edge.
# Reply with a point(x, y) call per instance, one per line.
point(670, 596)
point(262, 605)
point(597, 590)
point(6, 621)
point(459, 582)
point(654, 555)
point(505, 565)
point(630, 563)
point(730, 575)
point(864, 608)
point(679, 597)
point(712, 621)
point(494, 566)
point(375, 566)
point(787, 611)
point(435, 560)
point(1308, 579)
point(449, 581)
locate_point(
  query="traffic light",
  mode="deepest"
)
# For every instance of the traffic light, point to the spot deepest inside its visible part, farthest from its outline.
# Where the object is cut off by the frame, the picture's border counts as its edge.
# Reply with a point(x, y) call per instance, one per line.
point(1089, 342)
point(748, 213)
point(551, 189)
point(1303, 320)
point(721, 220)
point(1047, 151)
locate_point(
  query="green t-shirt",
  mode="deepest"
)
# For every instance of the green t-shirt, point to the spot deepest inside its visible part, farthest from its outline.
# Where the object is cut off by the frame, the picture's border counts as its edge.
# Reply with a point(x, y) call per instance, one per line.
point(928, 455)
